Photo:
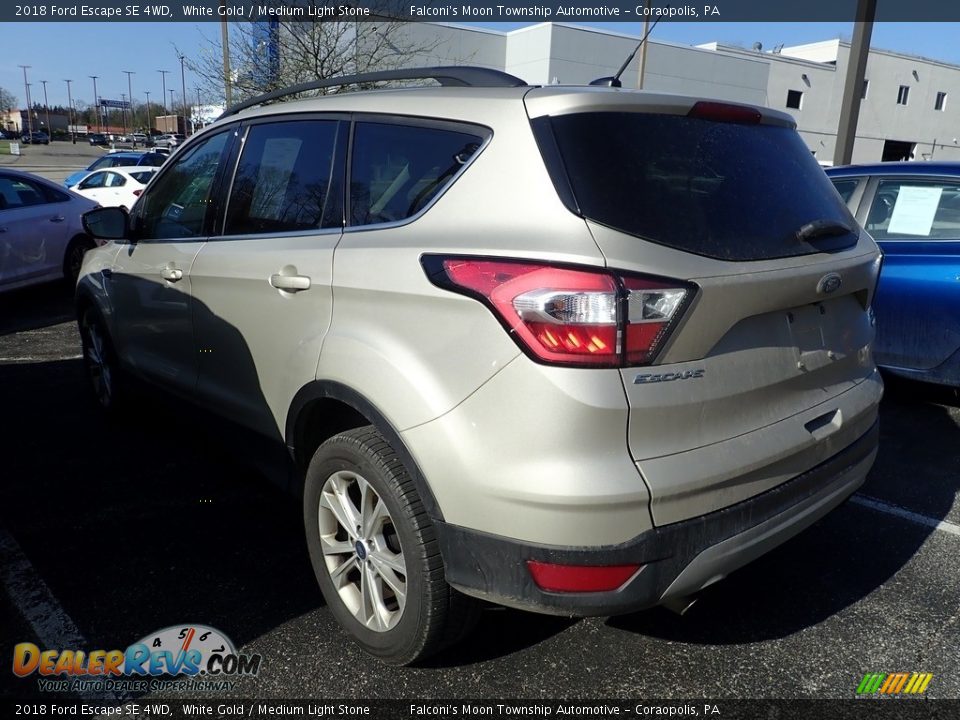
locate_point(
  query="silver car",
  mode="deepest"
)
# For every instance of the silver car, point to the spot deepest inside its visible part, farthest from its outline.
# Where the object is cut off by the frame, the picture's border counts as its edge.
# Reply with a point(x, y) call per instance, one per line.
point(41, 233)
point(576, 350)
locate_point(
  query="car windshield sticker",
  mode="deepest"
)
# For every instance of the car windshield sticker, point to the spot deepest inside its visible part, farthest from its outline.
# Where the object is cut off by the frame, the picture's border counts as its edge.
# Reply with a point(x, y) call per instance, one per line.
point(914, 210)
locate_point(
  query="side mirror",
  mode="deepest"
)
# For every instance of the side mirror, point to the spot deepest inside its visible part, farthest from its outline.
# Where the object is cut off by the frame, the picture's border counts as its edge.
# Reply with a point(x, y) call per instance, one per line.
point(109, 223)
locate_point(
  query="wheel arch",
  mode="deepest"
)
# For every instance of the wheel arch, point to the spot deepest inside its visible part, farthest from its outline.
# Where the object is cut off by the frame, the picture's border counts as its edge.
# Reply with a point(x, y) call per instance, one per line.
point(321, 409)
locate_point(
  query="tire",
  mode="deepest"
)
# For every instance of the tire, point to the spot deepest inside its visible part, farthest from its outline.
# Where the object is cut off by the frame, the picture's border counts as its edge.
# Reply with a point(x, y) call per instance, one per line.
point(73, 258)
point(106, 378)
point(384, 583)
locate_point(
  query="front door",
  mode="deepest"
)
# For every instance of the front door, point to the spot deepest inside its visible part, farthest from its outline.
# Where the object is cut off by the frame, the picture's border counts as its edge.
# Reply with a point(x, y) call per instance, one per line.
point(150, 284)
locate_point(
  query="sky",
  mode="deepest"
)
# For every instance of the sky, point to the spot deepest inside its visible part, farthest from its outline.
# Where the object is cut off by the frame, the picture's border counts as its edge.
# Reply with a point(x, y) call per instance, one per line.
point(56, 51)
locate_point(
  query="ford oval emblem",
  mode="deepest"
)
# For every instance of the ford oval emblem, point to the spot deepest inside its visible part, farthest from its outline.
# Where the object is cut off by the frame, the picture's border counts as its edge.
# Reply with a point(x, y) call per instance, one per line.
point(829, 283)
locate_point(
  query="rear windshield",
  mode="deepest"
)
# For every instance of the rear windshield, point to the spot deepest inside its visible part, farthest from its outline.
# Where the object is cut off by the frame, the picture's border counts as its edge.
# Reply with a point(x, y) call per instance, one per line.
point(724, 190)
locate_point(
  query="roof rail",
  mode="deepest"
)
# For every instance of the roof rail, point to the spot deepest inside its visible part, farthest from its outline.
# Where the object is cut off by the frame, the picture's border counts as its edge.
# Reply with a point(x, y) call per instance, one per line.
point(447, 75)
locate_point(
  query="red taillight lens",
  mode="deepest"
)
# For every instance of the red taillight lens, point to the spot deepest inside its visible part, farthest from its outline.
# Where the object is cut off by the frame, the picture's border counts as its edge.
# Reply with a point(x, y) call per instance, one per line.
point(137, 193)
point(570, 316)
point(580, 578)
point(725, 112)
point(560, 315)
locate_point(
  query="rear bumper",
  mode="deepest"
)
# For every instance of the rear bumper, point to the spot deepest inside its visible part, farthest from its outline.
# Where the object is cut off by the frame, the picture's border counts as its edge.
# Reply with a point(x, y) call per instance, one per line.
point(678, 559)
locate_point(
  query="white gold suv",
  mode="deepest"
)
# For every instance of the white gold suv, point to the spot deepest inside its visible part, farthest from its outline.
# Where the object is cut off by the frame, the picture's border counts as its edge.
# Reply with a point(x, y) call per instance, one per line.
point(575, 350)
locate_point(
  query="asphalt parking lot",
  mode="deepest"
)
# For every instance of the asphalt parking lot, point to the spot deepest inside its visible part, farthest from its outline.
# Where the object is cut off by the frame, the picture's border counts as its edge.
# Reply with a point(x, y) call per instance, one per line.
point(109, 532)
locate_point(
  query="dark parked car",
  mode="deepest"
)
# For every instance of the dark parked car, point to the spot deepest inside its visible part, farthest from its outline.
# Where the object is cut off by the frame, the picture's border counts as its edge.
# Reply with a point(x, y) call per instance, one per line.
point(98, 139)
point(912, 210)
point(35, 138)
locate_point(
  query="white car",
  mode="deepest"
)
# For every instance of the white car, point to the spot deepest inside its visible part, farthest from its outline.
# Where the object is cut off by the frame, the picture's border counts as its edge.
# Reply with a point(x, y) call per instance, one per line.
point(41, 235)
point(115, 187)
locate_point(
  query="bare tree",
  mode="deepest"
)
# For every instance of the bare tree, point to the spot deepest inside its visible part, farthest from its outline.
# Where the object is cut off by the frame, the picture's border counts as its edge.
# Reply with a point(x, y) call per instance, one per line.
point(8, 101)
point(265, 58)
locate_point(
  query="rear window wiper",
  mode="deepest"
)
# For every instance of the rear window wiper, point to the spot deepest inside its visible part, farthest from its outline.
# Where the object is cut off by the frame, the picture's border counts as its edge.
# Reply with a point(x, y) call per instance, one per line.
point(822, 228)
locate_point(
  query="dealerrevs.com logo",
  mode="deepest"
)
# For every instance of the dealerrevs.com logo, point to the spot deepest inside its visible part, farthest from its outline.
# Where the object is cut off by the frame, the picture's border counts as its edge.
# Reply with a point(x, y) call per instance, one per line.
point(186, 651)
point(900, 683)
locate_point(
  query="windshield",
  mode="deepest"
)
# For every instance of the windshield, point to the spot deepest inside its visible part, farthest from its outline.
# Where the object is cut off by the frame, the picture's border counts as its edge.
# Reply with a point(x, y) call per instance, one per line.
point(721, 189)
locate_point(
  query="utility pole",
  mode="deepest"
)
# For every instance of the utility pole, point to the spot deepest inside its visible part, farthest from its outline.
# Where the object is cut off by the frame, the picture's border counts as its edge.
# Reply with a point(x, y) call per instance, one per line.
point(643, 50)
point(149, 116)
point(183, 93)
point(163, 98)
point(225, 43)
point(853, 83)
point(198, 108)
point(46, 109)
point(96, 102)
point(130, 95)
point(26, 88)
point(172, 106)
point(70, 117)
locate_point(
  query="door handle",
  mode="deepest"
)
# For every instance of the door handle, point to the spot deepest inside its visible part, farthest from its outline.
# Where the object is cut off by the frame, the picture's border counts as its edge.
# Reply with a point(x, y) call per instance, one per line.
point(57, 218)
point(172, 274)
point(290, 283)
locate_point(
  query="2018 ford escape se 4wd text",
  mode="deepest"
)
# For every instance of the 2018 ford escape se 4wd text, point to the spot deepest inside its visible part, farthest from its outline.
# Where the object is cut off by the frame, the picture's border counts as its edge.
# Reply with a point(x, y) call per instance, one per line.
point(576, 350)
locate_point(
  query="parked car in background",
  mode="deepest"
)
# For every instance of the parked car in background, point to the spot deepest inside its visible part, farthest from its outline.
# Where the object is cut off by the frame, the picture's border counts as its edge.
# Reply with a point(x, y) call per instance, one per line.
point(912, 210)
point(97, 139)
point(139, 138)
point(170, 140)
point(570, 349)
point(116, 187)
point(41, 234)
point(35, 138)
point(120, 158)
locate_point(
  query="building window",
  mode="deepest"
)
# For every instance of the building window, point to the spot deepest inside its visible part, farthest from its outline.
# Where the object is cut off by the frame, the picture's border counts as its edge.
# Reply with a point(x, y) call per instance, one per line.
point(866, 86)
point(902, 95)
point(794, 97)
point(941, 102)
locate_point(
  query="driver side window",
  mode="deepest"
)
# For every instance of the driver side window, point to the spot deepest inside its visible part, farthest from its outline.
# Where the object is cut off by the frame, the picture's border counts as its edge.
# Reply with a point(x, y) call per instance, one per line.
point(178, 202)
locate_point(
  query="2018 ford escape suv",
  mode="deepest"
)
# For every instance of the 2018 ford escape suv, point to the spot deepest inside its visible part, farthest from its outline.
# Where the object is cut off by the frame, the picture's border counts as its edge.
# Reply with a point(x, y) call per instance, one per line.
point(575, 350)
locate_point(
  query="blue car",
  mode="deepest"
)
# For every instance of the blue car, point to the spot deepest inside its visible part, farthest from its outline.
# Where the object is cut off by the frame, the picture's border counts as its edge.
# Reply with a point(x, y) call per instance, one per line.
point(116, 159)
point(912, 210)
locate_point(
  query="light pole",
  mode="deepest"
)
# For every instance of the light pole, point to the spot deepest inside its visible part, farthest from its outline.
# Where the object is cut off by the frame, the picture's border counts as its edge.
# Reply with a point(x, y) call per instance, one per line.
point(130, 95)
point(123, 112)
point(163, 98)
point(225, 43)
point(46, 109)
point(149, 118)
point(26, 87)
point(96, 101)
point(198, 108)
point(73, 129)
point(183, 92)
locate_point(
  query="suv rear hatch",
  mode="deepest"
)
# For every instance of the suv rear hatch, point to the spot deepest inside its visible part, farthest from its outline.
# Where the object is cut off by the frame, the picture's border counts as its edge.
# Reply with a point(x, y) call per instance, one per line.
point(761, 375)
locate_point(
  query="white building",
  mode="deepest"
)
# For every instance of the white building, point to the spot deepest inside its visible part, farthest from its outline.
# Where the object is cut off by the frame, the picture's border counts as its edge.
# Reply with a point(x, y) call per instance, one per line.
point(910, 108)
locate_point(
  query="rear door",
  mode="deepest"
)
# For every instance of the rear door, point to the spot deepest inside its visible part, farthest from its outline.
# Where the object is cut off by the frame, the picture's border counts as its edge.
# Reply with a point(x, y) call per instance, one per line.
point(916, 222)
point(748, 378)
point(262, 285)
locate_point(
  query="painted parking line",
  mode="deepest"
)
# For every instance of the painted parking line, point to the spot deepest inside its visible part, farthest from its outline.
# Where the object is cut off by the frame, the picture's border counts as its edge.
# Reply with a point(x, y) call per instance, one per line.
point(32, 597)
point(38, 358)
point(897, 511)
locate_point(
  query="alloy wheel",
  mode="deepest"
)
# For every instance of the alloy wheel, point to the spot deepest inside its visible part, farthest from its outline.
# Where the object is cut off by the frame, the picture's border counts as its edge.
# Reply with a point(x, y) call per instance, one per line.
point(361, 550)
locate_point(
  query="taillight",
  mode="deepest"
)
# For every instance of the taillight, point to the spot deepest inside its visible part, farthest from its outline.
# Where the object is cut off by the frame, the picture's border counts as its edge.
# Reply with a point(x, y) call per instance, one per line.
point(570, 316)
point(137, 193)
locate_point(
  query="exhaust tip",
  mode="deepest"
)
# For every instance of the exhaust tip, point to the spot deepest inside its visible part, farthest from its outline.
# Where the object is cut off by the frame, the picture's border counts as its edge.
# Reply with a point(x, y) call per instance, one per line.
point(680, 605)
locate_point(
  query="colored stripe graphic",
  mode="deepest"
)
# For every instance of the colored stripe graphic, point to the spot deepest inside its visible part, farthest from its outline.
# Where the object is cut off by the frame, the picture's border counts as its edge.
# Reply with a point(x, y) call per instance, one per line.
point(894, 683)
